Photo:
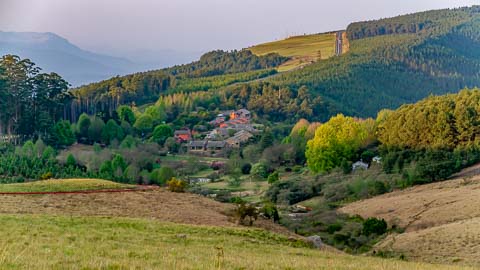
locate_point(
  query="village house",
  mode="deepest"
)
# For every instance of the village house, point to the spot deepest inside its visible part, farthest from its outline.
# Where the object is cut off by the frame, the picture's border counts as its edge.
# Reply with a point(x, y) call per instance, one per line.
point(242, 113)
point(239, 139)
point(207, 148)
point(359, 165)
point(183, 135)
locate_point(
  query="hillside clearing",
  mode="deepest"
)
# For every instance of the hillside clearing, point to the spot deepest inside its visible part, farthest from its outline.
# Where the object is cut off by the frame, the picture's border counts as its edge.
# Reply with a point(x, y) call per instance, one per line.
point(424, 206)
point(457, 242)
point(63, 185)
point(441, 220)
point(303, 50)
point(42, 242)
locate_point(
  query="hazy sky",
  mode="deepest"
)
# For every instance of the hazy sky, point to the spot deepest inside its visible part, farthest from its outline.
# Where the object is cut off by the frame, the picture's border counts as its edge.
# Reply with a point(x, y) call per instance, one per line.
point(195, 25)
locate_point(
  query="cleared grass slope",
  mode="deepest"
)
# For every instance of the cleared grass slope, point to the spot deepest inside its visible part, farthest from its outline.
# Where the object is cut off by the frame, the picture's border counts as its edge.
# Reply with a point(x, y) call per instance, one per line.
point(441, 220)
point(45, 242)
point(303, 50)
point(63, 185)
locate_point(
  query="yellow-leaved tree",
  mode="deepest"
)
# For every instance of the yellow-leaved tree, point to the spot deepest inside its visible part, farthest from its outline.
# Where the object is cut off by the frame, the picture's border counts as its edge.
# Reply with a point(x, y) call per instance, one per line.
point(337, 140)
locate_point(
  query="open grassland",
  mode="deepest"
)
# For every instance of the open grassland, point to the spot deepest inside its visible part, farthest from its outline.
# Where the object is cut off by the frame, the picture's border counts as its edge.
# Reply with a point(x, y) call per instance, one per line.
point(154, 204)
point(441, 220)
point(302, 50)
point(64, 185)
point(158, 204)
point(457, 242)
point(424, 206)
point(45, 242)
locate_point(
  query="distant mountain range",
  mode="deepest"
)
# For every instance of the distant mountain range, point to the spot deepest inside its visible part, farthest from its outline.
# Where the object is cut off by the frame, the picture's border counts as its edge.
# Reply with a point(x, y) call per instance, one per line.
point(56, 54)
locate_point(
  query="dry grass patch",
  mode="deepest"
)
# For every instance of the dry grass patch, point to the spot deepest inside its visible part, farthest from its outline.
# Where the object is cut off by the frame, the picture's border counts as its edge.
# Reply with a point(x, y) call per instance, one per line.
point(458, 242)
point(302, 50)
point(442, 220)
point(424, 206)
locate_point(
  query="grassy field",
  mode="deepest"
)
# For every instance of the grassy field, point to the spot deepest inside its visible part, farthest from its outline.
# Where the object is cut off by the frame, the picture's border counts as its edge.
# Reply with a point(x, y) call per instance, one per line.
point(46, 242)
point(248, 190)
point(63, 185)
point(302, 49)
point(441, 220)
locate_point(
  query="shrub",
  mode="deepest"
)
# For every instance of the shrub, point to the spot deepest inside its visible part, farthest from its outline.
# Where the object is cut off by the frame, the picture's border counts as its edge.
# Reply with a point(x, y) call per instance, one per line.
point(273, 177)
point(332, 228)
point(71, 162)
point(269, 210)
point(162, 175)
point(244, 211)
point(374, 226)
point(246, 168)
point(46, 176)
point(175, 185)
point(259, 171)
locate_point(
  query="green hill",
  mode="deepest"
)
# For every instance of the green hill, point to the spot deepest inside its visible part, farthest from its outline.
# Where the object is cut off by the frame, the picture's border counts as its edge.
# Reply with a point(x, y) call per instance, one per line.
point(395, 61)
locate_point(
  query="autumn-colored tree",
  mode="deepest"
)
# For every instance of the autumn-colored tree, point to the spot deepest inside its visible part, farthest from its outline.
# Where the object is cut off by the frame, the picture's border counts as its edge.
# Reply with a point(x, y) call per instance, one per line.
point(334, 141)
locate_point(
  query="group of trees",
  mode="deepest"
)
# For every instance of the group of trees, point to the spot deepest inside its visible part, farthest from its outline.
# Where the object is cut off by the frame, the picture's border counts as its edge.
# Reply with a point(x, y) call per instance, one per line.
point(412, 23)
point(439, 122)
point(338, 140)
point(30, 101)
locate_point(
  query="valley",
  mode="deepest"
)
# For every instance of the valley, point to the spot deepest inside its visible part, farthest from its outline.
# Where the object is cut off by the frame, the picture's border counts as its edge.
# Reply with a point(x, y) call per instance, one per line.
point(349, 149)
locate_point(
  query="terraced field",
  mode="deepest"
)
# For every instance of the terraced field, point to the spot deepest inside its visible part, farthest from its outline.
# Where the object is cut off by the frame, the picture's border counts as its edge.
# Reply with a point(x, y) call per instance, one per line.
point(303, 50)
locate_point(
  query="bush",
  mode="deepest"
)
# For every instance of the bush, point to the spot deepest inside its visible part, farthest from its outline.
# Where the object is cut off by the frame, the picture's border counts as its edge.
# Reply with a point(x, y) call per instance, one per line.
point(46, 176)
point(332, 228)
point(269, 210)
point(273, 177)
point(71, 162)
point(374, 226)
point(162, 175)
point(175, 185)
point(244, 211)
point(246, 168)
point(259, 171)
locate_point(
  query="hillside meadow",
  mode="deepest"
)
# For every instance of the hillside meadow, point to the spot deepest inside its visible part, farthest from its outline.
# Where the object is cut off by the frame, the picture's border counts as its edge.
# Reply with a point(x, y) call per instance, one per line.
point(48, 242)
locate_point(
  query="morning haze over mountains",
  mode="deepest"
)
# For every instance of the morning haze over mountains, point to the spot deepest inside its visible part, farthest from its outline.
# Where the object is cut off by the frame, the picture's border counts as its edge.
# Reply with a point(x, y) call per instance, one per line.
point(56, 54)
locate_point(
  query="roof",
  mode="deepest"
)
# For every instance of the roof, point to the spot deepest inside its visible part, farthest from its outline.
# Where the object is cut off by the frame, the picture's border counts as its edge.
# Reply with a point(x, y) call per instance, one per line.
point(197, 143)
point(216, 144)
point(182, 132)
point(243, 111)
point(360, 164)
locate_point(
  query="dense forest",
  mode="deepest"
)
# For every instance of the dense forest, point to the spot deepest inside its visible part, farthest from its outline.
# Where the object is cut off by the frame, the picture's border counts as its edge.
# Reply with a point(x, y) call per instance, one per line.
point(385, 71)
point(214, 70)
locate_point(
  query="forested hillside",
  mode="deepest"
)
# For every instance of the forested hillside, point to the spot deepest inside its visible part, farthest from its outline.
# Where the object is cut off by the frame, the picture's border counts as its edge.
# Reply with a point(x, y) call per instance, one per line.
point(396, 61)
point(214, 70)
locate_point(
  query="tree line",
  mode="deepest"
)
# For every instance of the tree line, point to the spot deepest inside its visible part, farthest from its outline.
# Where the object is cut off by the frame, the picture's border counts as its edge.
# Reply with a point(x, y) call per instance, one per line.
point(30, 101)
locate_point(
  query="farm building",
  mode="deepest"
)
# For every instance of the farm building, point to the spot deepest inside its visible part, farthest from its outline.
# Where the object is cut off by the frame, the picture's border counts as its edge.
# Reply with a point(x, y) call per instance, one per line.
point(239, 139)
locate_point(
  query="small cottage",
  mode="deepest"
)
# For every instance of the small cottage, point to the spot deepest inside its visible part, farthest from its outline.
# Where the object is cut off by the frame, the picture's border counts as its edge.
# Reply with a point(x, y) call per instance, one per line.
point(359, 165)
point(183, 135)
point(240, 138)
